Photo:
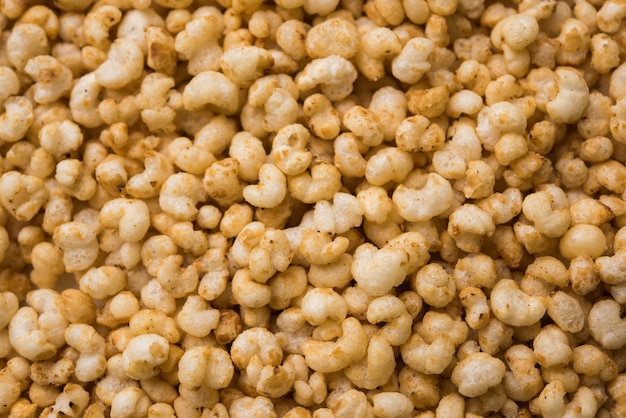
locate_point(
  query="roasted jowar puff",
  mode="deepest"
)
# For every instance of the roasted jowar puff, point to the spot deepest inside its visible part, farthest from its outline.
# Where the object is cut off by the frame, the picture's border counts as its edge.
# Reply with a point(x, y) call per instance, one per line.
point(312, 208)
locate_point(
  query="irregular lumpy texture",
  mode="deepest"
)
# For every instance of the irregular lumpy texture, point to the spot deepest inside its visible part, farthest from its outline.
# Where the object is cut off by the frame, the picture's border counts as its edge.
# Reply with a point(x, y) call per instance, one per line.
point(312, 208)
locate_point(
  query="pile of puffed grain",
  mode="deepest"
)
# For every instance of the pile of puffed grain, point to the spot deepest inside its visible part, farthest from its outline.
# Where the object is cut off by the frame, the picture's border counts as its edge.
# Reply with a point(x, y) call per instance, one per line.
point(312, 208)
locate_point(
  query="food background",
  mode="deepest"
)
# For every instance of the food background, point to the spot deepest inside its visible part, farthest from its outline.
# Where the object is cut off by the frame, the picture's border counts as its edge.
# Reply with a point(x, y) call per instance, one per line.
point(312, 208)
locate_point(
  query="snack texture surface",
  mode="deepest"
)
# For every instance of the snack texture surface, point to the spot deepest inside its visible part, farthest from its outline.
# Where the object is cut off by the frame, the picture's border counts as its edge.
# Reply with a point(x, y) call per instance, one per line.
point(312, 208)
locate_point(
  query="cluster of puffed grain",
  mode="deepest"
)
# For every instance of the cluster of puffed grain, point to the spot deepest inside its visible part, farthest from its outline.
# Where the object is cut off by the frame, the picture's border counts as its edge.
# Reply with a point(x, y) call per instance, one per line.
point(312, 208)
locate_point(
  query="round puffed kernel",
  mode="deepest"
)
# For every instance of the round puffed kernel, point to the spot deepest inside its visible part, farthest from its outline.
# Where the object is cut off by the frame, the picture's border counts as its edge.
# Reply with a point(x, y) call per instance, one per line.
point(583, 239)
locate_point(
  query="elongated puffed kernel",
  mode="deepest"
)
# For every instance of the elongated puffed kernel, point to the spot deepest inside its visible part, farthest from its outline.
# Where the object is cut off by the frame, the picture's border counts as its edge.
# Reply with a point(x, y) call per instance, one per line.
point(514, 307)
point(124, 64)
point(333, 73)
point(475, 374)
point(327, 356)
point(22, 195)
point(79, 244)
point(143, 354)
point(211, 89)
point(335, 36)
point(426, 202)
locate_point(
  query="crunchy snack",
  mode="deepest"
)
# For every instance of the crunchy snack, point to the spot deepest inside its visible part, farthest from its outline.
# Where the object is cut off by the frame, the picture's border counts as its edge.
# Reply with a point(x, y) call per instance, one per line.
point(312, 208)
